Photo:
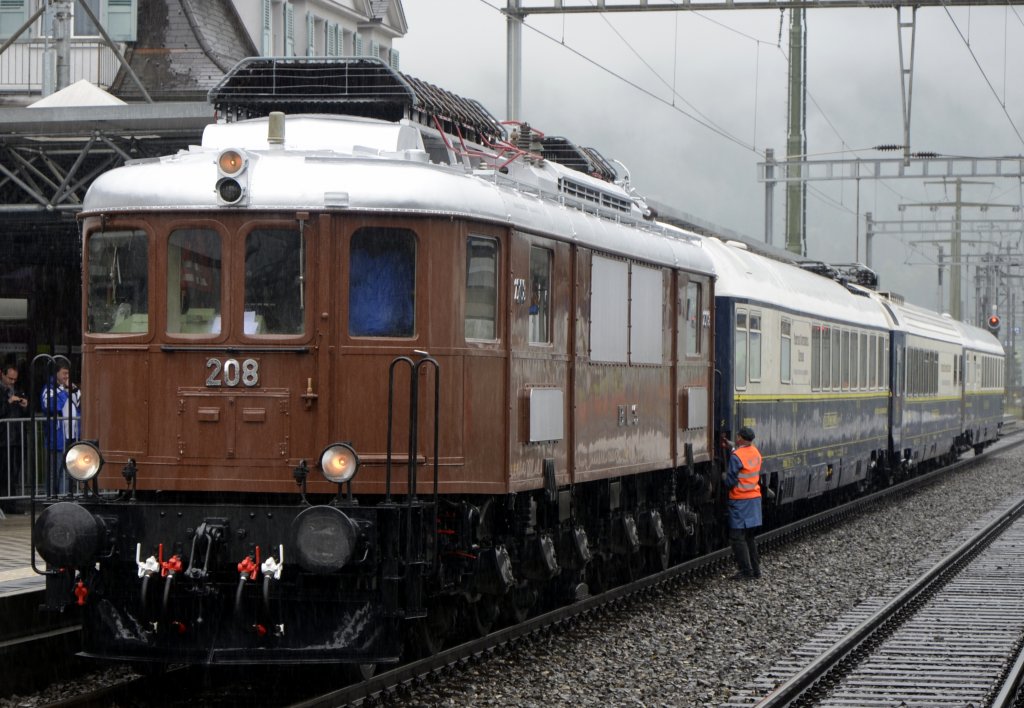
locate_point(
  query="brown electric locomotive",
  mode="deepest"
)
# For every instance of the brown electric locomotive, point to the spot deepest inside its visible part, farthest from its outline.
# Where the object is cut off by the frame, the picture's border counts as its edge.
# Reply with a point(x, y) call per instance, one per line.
point(368, 365)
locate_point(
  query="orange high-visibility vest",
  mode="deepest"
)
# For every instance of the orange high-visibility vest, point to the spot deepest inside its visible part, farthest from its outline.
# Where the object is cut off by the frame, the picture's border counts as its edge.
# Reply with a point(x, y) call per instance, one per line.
point(747, 487)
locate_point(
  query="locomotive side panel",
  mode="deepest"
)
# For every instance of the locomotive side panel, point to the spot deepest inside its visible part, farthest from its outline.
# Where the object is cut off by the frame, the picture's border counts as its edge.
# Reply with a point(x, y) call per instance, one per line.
point(121, 430)
point(540, 270)
point(622, 409)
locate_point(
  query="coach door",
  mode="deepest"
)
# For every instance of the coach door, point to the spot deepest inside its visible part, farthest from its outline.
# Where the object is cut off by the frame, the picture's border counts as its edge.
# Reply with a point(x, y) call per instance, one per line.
point(693, 373)
point(897, 388)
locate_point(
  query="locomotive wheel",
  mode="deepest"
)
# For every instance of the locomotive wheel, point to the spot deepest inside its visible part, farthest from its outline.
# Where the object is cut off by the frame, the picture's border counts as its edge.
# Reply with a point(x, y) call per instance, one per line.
point(518, 602)
point(658, 558)
point(597, 575)
point(481, 616)
point(357, 673)
point(428, 635)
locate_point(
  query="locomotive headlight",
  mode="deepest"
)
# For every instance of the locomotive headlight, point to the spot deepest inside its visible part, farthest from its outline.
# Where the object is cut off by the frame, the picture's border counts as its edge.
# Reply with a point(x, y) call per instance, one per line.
point(231, 163)
point(339, 463)
point(83, 461)
point(229, 190)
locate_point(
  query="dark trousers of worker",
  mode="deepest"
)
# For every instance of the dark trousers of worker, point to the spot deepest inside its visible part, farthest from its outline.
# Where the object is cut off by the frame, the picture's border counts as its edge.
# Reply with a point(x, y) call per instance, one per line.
point(744, 548)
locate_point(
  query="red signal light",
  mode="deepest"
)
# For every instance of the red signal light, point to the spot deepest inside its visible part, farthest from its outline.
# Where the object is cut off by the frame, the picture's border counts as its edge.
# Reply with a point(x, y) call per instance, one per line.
point(993, 323)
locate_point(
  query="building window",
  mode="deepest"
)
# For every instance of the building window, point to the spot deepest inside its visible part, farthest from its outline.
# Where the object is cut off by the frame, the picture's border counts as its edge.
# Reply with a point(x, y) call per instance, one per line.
point(481, 288)
point(382, 283)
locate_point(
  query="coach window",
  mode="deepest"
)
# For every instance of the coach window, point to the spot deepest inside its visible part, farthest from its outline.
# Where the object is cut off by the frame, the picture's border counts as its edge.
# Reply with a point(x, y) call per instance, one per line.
point(540, 291)
point(193, 282)
point(883, 380)
point(741, 349)
point(872, 361)
point(382, 283)
point(786, 353)
point(275, 282)
point(481, 288)
point(693, 319)
point(755, 346)
point(863, 379)
point(118, 297)
point(815, 356)
point(836, 359)
point(844, 359)
point(826, 358)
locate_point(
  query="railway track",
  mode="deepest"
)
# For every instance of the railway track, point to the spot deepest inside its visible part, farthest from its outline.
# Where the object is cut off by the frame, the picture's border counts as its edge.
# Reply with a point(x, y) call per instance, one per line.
point(390, 683)
point(953, 637)
point(208, 686)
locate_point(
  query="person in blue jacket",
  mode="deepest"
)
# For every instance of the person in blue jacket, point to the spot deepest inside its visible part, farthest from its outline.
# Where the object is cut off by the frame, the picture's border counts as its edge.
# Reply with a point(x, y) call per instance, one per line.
point(61, 404)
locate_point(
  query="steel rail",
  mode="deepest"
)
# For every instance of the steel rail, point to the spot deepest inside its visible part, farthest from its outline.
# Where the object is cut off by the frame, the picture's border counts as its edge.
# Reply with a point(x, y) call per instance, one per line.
point(883, 622)
point(419, 671)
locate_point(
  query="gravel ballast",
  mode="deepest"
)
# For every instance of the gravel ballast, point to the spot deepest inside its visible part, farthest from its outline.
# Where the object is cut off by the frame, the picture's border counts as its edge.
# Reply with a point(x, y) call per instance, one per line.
point(702, 644)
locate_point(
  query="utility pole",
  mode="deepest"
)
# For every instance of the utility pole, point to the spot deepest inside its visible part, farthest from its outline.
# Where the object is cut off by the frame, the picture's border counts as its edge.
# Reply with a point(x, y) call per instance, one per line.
point(796, 141)
point(62, 41)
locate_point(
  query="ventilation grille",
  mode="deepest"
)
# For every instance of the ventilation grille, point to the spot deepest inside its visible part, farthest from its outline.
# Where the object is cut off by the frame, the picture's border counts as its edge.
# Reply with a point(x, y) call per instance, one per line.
point(586, 193)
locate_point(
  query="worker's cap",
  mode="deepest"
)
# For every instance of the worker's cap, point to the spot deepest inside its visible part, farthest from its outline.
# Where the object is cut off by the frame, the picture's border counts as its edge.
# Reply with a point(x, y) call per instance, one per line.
point(746, 433)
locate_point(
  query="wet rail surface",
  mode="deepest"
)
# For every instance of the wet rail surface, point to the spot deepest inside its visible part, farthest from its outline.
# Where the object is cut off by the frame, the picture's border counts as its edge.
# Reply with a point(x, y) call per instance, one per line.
point(950, 638)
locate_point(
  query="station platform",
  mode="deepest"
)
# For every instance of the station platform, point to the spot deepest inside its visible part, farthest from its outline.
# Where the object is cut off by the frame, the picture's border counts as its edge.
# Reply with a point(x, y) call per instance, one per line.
point(16, 574)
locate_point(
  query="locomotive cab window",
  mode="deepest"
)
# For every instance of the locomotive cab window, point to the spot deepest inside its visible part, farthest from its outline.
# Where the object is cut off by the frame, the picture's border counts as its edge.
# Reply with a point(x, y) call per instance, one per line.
point(118, 298)
point(194, 282)
point(382, 283)
point(693, 319)
point(275, 282)
point(540, 290)
point(481, 288)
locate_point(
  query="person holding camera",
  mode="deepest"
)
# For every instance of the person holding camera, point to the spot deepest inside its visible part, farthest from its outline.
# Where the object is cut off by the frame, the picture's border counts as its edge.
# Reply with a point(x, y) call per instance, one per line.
point(13, 405)
point(61, 404)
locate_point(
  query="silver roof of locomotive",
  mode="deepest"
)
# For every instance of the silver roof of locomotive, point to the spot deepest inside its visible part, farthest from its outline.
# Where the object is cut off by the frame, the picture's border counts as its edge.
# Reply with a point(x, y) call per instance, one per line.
point(353, 164)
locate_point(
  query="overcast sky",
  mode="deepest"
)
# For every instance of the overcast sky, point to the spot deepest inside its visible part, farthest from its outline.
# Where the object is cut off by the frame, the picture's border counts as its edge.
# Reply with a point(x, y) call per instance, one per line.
point(644, 88)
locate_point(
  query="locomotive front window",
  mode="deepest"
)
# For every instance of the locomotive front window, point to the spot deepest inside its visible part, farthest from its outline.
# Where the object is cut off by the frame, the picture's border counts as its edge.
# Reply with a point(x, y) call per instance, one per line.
point(481, 288)
point(382, 283)
point(118, 299)
point(193, 282)
point(275, 282)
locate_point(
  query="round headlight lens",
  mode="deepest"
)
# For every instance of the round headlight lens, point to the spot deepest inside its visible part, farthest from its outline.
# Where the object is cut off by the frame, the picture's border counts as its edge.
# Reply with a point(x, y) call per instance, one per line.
point(339, 463)
point(229, 190)
point(83, 461)
point(231, 162)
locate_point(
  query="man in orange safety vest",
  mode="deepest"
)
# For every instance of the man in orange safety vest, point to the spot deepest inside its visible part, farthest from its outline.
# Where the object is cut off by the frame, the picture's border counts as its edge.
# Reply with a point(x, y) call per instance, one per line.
point(743, 482)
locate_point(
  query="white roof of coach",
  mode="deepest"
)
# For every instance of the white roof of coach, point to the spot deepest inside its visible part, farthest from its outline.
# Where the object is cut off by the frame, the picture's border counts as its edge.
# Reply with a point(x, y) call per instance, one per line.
point(913, 319)
point(748, 276)
point(978, 339)
point(365, 165)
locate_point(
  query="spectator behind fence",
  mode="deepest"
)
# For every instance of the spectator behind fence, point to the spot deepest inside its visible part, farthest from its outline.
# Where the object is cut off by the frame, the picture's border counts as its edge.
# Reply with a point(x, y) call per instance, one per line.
point(13, 404)
point(60, 401)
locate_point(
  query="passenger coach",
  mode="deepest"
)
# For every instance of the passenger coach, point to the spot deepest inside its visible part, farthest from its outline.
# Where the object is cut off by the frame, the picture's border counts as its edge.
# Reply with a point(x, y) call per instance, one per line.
point(803, 360)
